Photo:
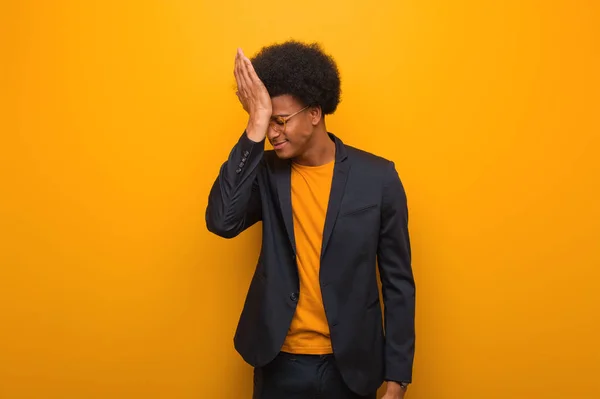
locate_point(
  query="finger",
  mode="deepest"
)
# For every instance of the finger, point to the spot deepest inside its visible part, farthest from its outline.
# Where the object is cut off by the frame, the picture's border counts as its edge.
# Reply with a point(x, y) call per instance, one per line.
point(251, 72)
point(253, 75)
point(236, 70)
point(242, 86)
point(238, 61)
point(245, 74)
point(242, 59)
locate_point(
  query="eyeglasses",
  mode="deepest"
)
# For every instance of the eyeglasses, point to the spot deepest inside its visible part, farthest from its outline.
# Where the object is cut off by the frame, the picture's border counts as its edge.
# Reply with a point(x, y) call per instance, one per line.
point(278, 123)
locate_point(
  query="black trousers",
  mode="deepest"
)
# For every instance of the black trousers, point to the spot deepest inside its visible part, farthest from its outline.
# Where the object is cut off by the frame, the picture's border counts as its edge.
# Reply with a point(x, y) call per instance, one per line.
point(292, 376)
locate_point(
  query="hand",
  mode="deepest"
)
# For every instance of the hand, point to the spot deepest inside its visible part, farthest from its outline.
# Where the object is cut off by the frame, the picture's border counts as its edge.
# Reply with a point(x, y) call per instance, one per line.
point(254, 97)
point(394, 391)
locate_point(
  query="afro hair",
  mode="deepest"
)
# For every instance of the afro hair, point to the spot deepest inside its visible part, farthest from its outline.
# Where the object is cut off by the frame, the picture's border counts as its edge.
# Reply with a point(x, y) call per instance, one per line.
point(300, 70)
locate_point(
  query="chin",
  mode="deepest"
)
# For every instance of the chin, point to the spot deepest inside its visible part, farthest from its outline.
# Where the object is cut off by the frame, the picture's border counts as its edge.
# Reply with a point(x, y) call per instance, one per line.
point(284, 154)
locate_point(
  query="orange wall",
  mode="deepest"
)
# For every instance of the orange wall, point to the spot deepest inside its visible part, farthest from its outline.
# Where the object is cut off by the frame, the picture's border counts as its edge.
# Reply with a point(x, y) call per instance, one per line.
point(118, 114)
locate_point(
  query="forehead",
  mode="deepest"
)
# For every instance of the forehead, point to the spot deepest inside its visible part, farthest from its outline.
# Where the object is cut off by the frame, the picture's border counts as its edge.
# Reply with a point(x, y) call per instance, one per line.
point(285, 105)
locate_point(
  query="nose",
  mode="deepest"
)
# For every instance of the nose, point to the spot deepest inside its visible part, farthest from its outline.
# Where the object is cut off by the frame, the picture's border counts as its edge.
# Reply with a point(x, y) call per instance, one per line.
point(272, 134)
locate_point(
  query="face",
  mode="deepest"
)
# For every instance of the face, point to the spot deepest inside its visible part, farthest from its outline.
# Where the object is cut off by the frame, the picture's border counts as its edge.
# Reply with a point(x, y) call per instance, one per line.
point(299, 129)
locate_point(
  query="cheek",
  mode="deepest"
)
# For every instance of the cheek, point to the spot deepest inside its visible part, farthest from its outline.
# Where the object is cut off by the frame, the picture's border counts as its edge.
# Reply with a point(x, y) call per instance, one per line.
point(299, 137)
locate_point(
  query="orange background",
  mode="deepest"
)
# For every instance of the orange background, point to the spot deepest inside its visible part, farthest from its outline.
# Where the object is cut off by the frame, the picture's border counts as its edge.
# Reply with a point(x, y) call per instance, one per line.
point(116, 116)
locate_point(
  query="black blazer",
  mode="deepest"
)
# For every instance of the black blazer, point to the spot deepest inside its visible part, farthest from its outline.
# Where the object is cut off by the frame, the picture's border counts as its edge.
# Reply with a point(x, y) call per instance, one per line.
point(365, 225)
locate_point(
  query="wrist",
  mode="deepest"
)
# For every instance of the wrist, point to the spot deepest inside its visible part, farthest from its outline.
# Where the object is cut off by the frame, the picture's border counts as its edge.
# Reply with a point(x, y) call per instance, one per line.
point(260, 118)
point(397, 385)
point(257, 130)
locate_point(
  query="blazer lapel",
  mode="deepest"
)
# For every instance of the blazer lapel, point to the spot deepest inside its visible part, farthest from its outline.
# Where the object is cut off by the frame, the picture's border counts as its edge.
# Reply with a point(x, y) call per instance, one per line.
point(284, 192)
point(338, 184)
point(341, 170)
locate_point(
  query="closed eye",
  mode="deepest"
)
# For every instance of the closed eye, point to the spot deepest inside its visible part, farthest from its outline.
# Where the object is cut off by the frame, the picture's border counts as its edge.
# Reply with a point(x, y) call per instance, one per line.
point(279, 121)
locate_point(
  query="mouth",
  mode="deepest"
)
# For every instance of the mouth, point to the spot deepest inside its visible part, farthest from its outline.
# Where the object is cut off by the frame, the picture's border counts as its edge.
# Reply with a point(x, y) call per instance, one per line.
point(279, 145)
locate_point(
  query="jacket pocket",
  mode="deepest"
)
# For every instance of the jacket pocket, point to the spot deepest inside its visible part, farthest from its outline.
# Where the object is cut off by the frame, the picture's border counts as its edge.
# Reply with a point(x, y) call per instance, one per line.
point(359, 209)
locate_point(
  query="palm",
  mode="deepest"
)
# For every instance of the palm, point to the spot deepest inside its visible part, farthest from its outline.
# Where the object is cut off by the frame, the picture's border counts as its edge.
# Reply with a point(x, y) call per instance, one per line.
point(251, 91)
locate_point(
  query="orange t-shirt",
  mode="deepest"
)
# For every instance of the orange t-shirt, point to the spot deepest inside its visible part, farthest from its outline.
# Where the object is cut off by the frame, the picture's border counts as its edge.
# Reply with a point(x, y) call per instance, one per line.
point(309, 331)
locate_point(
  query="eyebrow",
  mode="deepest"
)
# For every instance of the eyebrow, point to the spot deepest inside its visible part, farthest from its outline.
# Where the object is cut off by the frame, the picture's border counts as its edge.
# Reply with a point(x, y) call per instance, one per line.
point(282, 115)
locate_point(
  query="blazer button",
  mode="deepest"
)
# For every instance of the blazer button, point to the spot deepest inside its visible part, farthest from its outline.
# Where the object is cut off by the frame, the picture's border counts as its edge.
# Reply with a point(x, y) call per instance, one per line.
point(294, 296)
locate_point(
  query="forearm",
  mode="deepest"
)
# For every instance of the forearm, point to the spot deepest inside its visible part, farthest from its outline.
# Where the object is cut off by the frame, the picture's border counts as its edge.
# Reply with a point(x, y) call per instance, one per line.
point(234, 200)
point(256, 129)
point(399, 318)
point(398, 286)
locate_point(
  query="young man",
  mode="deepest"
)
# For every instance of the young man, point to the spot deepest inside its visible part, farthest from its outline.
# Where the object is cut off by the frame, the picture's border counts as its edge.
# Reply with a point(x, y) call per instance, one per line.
point(312, 322)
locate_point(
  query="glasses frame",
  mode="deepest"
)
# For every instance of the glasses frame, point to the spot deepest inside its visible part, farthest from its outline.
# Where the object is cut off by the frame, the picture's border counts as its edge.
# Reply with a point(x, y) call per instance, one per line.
point(275, 123)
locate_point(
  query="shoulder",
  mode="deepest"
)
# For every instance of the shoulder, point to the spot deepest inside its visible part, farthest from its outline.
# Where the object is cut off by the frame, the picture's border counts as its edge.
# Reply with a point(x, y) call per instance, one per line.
point(373, 168)
point(367, 159)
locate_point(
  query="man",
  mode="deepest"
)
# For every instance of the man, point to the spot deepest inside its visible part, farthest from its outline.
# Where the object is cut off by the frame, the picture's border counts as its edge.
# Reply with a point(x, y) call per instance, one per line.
point(312, 323)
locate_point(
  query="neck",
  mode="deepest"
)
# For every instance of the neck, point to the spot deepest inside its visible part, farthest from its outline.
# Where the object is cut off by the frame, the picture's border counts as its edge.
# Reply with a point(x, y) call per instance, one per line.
point(321, 149)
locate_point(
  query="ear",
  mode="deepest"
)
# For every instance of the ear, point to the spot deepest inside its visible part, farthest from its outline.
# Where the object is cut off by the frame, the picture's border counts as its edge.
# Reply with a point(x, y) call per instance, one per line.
point(316, 114)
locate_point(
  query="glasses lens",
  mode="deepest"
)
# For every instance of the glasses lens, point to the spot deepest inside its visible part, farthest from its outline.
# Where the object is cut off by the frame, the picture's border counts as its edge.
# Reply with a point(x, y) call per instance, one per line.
point(278, 124)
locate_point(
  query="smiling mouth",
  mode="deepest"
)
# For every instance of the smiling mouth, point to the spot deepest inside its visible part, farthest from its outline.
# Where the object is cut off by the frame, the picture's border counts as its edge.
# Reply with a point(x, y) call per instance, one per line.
point(279, 144)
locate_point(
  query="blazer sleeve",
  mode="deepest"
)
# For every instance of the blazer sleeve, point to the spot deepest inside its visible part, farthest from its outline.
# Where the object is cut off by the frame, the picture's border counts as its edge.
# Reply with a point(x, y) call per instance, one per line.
point(234, 201)
point(398, 285)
